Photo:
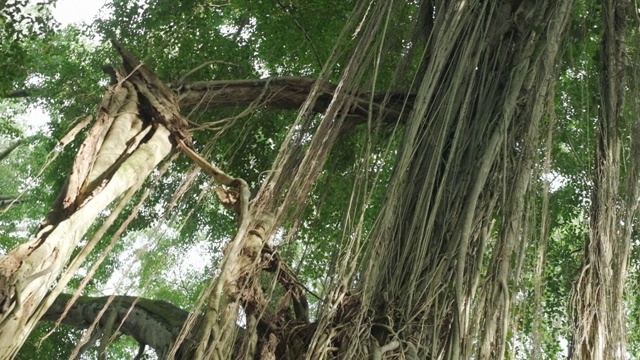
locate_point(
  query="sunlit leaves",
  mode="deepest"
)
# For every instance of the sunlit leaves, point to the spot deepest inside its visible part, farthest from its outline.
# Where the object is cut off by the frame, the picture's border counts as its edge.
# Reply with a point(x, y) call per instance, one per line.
point(21, 22)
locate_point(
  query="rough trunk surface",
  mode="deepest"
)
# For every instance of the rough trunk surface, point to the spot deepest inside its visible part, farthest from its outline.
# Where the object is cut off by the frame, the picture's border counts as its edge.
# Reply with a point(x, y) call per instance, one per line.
point(133, 132)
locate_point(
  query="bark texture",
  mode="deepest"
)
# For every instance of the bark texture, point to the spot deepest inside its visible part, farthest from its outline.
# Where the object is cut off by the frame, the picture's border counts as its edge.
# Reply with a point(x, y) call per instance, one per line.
point(153, 323)
point(134, 129)
point(598, 293)
point(467, 153)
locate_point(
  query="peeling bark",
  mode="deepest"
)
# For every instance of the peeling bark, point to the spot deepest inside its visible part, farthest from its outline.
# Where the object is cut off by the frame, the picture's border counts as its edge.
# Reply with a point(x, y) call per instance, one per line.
point(135, 129)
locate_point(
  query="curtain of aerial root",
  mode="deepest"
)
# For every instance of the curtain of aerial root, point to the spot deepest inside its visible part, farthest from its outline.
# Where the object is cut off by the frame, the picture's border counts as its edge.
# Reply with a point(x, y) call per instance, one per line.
point(599, 331)
point(629, 213)
point(543, 231)
point(470, 140)
point(120, 150)
point(283, 196)
point(539, 86)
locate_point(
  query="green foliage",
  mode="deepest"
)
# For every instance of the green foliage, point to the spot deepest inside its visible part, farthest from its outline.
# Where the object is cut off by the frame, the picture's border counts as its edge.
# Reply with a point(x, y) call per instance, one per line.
point(9, 110)
point(252, 39)
point(21, 178)
point(21, 23)
point(62, 342)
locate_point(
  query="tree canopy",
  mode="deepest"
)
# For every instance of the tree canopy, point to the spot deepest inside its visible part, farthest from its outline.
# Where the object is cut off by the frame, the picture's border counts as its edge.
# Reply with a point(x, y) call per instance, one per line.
point(321, 179)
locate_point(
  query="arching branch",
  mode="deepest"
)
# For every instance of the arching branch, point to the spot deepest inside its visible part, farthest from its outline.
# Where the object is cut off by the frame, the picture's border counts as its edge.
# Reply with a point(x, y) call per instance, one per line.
point(151, 322)
point(289, 93)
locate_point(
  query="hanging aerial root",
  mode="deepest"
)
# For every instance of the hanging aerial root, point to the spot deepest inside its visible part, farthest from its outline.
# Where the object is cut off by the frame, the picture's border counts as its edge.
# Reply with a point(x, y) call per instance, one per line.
point(238, 282)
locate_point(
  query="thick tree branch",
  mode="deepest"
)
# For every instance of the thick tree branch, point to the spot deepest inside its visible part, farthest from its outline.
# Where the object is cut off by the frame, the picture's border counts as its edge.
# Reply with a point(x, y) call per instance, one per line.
point(155, 323)
point(8, 200)
point(5, 153)
point(290, 93)
point(21, 93)
point(287, 93)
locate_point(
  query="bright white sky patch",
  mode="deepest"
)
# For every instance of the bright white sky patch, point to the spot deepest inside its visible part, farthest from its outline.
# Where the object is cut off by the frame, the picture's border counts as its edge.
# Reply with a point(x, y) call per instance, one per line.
point(34, 121)
point(76, 11)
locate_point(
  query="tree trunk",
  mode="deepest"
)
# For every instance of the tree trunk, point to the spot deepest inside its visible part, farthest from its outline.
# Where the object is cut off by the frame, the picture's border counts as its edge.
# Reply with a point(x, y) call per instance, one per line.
point(120, 151)
point(597, 295)
point(471, 139)
point(153, 323)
